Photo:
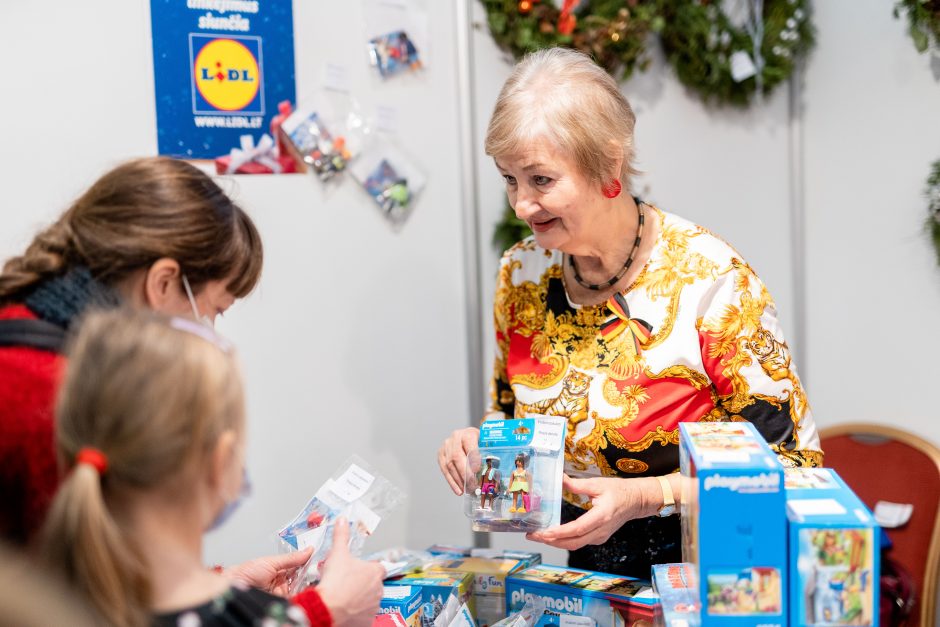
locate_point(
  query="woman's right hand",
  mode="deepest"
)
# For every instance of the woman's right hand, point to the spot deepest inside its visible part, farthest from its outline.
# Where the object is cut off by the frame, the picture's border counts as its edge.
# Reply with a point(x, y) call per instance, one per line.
point(350, 588)
point(452, 457)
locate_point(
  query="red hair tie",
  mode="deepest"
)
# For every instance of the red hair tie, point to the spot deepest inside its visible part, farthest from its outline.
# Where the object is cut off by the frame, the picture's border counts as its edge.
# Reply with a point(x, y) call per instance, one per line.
point(94, 458)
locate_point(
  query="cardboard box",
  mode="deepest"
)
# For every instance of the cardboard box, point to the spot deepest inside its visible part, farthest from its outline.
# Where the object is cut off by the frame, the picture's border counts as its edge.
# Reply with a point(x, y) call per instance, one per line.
point(834, 556)
point(581, 598)
point(403, 600)
point(436, 588)
point(528, 558)
point(734, 523)
point(489, 583)
point(677, 587)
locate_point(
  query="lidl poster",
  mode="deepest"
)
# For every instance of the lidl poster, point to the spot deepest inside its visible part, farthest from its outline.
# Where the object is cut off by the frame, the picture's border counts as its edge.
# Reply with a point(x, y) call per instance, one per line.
point(220, 69)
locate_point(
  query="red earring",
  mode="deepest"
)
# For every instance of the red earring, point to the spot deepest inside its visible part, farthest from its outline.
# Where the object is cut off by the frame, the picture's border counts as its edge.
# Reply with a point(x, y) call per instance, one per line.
point(613, 189)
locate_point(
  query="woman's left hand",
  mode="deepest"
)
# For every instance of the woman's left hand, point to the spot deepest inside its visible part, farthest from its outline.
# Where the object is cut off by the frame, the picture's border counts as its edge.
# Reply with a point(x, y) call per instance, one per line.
point(270, 573)
point(613, 502)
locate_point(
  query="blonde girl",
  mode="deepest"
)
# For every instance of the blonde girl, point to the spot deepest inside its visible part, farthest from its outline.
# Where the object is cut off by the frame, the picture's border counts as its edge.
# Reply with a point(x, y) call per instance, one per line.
point(150, 425)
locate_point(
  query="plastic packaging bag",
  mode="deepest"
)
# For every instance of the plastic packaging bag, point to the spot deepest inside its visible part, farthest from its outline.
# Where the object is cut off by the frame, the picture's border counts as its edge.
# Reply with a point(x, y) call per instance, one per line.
point(390, 177)
point(528, 616)
point(397, 34)
point(356, 492)
point(325, 133)
point(513, 482)
point(401, 561)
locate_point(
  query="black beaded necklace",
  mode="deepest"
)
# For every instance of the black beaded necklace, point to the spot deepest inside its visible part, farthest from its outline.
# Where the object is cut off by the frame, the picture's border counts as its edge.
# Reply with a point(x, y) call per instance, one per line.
point(626, 265)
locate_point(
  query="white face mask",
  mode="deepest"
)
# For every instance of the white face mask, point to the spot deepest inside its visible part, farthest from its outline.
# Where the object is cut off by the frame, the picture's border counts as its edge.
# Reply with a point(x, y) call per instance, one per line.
point(206, 320)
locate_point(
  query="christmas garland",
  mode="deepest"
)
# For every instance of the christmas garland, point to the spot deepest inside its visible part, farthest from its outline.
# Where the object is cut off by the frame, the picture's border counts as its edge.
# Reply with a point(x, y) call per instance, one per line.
point(718, 58)
point(933, 207)
point(613, 32)
point(923, 17)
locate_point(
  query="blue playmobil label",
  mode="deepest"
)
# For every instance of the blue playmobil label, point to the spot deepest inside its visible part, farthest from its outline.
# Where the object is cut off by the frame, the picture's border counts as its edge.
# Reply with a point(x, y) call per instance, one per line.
point(546, 434)
point(571, 592)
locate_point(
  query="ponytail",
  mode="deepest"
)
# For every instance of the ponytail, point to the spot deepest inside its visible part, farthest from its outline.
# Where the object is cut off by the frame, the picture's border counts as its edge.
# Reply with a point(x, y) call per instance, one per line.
point(47, 256)
point(82, 541)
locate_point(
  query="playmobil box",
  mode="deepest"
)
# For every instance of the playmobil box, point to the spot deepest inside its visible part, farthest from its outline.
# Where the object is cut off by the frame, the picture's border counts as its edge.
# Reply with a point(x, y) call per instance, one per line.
point(528, 558)
point(733, 509)
point(834, 560)
point(489, 583)
point(677, 587)
point(404, 600)
point(581, 598)
point(436, 588)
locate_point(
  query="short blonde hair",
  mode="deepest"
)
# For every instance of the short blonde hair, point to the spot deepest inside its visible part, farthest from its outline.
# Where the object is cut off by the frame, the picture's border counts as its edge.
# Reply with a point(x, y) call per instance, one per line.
point(155, 398)
point(561, 95)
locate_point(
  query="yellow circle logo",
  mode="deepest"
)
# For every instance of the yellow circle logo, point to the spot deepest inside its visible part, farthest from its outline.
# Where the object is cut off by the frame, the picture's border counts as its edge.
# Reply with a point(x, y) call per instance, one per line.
point(227, 74)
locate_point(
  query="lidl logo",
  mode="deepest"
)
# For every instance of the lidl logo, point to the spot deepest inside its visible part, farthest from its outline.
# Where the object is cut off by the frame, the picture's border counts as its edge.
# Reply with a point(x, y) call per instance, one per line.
point(227, 75)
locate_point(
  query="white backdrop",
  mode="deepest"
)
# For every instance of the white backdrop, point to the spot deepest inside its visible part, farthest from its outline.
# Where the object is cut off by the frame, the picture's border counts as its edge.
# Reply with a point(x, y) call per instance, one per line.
point(355, 339)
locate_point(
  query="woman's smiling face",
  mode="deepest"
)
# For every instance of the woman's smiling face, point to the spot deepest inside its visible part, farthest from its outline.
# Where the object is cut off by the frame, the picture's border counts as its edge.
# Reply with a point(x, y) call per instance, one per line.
point(548, 192)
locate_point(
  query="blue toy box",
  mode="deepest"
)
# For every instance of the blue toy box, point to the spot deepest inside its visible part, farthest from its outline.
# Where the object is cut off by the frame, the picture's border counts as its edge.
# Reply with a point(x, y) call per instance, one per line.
point(677, 587)
point(404, 600)
point(834, 557)
point(435, 590)
point(733, 496)
point(598, 599)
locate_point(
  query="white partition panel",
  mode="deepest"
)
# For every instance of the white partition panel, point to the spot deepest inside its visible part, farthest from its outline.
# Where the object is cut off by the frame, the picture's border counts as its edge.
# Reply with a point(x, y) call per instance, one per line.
point(355, 339)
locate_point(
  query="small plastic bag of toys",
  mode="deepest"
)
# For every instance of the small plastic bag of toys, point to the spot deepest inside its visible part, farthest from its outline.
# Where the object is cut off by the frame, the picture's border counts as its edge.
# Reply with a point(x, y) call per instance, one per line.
point(325, 134)
point(355, 492)
point(513, 481)
point(397, 31)
point(390, 177)
point(528, 616)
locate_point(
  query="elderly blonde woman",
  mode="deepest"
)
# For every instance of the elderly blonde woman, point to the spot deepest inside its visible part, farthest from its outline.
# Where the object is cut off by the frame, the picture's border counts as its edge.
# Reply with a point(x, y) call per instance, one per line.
point(621, 317)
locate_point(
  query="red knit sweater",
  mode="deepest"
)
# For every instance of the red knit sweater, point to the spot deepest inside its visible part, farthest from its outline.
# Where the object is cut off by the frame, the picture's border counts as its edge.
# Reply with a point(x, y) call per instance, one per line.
point(28, 472)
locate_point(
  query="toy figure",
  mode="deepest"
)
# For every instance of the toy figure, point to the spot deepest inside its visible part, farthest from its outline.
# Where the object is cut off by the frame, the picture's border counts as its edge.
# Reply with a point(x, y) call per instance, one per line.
point(489, 483)
point(519, 486)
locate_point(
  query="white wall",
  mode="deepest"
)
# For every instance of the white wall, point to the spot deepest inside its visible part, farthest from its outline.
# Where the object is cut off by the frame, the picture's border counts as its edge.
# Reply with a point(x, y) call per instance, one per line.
point(871, 133)
point(355, 340)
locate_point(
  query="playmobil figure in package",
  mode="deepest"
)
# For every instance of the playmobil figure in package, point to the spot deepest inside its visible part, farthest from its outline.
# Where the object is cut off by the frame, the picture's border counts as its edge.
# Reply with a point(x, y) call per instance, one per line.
point(313, 143)
point(393, 53)
point(514, 479)
point(355, 492)
point(390, 177)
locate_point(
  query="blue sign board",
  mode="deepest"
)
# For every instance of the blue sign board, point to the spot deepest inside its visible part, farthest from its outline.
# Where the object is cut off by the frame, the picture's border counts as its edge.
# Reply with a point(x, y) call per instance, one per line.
point(220, 69)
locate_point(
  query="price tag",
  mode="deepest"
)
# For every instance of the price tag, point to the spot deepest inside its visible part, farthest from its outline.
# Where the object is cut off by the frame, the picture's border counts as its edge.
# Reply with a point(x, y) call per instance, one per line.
point(549, 434)
point(353, 484)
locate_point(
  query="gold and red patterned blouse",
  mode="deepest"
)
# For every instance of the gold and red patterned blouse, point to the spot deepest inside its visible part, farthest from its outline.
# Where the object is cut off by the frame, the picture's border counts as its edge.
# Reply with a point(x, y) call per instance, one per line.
point(694, 338)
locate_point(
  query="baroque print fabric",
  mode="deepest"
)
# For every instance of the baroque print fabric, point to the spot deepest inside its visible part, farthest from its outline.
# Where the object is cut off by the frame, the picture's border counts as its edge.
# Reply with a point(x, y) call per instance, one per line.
point(694, 338)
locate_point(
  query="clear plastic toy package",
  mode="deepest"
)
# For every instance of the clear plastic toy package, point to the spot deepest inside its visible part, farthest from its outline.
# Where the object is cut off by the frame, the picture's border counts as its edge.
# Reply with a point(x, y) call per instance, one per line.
point(513, 482)
point(397, 33)
point(325, 133)
point(355, 492)
point(390, 177)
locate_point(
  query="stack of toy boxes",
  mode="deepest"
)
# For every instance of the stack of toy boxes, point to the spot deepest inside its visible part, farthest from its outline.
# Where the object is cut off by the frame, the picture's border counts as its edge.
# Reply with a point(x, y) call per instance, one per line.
point(834, 562)
point(733, 496)
point(436, 588)
point(404, 600)
point(580, 597)
point(489, 583)
point(677, 588)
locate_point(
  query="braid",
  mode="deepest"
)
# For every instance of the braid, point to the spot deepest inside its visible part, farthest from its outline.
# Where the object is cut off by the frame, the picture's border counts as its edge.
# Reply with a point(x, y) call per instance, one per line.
point(49, 255)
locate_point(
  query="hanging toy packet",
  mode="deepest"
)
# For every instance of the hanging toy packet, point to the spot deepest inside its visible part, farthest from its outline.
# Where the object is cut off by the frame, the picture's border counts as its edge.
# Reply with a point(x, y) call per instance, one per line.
point(513, 481)
point(355, 492)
